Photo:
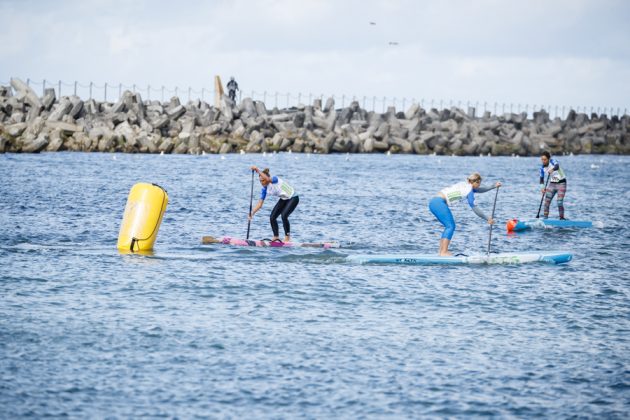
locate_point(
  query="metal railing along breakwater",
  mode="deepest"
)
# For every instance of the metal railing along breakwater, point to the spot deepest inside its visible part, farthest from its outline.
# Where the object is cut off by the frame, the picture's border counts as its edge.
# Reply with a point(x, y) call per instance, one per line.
point(113, 91)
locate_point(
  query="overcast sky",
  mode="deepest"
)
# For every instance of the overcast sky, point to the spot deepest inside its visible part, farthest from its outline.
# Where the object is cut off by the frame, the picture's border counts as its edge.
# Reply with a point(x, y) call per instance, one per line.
point(574, 52)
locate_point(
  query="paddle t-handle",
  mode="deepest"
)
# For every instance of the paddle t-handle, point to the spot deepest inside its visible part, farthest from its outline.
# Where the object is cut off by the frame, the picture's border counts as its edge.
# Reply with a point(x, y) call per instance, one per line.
point(251, 198)
point(494, 206)
point(543, 196)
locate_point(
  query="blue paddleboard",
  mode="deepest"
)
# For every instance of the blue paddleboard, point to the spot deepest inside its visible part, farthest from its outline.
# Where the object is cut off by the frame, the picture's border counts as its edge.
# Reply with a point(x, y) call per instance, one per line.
point(557, 257)
point(522, 225)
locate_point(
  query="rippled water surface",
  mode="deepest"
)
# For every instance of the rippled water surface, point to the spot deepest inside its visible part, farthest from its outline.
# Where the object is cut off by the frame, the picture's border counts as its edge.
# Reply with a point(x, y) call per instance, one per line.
point(216, 331)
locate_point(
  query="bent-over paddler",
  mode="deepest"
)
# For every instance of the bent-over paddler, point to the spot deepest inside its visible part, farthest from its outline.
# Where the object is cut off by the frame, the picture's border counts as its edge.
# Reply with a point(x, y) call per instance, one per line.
point(288, 201)
point(440, 206)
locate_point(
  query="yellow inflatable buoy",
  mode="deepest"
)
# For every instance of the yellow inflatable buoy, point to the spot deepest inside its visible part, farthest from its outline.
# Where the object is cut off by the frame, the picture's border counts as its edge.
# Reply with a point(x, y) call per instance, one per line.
point(143, 214)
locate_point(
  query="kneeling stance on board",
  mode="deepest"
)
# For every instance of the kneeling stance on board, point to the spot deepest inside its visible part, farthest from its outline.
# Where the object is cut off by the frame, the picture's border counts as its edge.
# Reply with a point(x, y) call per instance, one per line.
point(272, 185)
point(440, 206)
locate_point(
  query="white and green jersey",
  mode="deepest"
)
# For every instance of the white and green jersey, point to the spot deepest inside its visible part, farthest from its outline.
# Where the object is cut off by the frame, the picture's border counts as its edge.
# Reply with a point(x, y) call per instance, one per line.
point(278, 188)
point(556, 176)
point(458, 192)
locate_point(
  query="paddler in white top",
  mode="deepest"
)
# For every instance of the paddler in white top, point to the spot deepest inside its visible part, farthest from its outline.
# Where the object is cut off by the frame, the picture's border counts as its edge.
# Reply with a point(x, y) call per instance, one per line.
point(272, 185)
point(440, 206)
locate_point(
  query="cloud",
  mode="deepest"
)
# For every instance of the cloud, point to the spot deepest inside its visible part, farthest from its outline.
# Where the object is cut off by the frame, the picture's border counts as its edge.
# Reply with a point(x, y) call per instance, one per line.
point(553, 52)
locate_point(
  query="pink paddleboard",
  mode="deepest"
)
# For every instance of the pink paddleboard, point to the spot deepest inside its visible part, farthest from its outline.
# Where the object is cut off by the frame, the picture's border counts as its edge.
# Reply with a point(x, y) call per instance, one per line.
point(227, 240)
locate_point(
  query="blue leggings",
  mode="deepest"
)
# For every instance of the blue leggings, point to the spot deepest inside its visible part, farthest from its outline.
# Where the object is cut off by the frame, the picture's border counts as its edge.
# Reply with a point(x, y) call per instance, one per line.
point(440, 210)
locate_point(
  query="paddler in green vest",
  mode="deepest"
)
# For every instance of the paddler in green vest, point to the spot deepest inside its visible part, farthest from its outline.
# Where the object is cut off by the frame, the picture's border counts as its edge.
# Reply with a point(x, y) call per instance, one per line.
point(556, 183)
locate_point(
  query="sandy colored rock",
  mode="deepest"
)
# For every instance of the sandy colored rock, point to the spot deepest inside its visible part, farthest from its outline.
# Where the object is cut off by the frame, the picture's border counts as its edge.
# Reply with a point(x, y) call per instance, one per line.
point(36, 145)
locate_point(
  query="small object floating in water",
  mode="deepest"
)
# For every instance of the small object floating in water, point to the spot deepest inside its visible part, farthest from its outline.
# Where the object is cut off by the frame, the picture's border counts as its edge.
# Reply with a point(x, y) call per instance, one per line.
point(593, 166)
point(222, 157)
point(515, 225)
point(227, 240)
point(506, 258)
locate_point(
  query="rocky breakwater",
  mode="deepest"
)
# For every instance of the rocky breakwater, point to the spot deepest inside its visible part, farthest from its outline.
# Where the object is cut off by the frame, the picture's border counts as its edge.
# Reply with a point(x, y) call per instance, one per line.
point(31, 124)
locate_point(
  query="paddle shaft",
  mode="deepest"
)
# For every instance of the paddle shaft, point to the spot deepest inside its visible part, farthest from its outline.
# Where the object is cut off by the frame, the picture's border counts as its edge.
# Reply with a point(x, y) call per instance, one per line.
point(251, 198)
point(543, 197)
point(494, 206)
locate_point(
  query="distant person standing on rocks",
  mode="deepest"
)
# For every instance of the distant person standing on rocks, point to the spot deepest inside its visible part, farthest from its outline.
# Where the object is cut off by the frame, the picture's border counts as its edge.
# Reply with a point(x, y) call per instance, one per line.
point(556, 183)
point(232, 88)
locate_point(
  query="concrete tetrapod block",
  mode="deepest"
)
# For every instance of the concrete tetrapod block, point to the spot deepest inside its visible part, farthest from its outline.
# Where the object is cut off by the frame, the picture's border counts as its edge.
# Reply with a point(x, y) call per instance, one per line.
point(36, 145)
point(56, 141)
point(175, 113)
point(15, 130)
point(26, 93)
point(64, 127)
point(63, 108)
point(48, 99)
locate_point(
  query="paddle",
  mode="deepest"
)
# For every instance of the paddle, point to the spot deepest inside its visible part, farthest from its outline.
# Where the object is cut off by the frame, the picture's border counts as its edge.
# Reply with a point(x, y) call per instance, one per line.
point(251, 198)
point(494, 206)
point(543, 197)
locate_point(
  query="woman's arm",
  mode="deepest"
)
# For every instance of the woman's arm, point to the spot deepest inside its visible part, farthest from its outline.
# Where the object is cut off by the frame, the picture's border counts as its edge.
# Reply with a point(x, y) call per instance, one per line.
point(256, 208)
point(479, 213)
point(477, 210)
point(486, 189)
point(553, 166)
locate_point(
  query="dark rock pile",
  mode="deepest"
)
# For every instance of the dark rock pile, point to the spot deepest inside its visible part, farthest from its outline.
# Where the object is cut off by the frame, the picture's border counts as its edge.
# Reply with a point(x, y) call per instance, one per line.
point(31, 124)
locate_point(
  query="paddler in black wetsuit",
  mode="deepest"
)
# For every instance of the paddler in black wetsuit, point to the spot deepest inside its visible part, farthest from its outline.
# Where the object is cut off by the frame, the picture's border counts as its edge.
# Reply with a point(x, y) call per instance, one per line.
point(272, 185)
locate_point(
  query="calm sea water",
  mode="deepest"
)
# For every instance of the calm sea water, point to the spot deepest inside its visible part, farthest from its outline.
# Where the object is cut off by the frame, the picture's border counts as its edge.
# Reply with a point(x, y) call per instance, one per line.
point(196, 331)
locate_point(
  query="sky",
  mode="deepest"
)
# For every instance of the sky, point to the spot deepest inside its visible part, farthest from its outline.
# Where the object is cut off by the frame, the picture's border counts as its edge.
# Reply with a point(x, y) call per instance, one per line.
point(553, 52)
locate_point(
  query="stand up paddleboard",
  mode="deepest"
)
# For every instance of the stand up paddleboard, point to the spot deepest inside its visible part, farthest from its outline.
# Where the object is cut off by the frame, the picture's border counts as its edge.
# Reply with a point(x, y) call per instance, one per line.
point(516, 225)
point(226, 240)
point(503, 258)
